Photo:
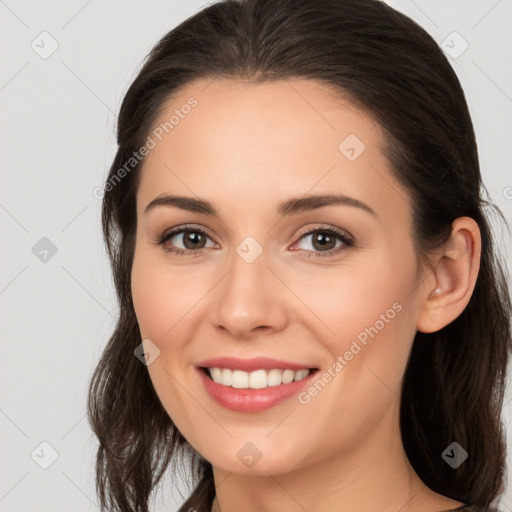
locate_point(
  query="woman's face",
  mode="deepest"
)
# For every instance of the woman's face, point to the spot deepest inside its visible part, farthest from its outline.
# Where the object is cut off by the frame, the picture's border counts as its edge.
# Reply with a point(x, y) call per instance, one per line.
point(259, 279)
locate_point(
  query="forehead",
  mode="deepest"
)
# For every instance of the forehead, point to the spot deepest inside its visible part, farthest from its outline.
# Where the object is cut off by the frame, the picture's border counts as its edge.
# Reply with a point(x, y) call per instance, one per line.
point(254, 144)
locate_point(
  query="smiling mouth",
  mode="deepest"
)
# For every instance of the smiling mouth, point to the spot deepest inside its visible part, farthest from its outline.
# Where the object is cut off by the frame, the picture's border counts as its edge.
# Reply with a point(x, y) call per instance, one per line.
point(258, 379)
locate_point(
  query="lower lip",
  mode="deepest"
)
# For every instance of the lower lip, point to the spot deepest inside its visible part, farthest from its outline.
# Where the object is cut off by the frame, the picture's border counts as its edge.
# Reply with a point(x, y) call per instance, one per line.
point(252, 400)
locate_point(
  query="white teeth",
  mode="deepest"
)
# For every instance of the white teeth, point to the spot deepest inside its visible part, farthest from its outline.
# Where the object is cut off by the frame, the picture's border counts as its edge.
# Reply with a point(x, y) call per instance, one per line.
point(274, 377)
point(288, 376)
point(239, 379)
point(216, 374)
point(226, 376)
point(301, 374)
point(257, 379)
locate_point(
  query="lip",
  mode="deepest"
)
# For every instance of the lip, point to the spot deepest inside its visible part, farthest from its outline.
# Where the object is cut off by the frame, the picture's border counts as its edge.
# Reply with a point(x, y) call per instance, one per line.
point(250, 365)
point(252, 400)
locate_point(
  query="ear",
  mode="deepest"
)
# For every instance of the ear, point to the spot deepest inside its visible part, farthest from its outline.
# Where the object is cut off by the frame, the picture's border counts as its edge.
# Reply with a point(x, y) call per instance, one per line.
point(449, 288)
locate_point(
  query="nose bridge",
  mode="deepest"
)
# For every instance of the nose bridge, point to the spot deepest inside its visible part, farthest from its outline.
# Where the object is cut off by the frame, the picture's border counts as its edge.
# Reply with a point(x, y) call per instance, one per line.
point(249, 297)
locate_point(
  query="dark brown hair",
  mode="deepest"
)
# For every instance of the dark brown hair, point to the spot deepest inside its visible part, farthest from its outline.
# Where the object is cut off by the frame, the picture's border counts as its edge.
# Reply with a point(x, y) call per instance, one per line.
point(389, 66)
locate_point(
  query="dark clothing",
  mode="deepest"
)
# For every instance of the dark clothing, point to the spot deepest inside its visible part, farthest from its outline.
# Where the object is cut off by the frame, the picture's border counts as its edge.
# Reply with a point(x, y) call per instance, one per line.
point(467, 508)
point(203, 495)
point(473, 508)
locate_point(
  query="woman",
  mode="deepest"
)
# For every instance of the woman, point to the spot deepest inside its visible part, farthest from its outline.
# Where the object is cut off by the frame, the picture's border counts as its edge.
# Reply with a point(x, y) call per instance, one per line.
point(311, 304)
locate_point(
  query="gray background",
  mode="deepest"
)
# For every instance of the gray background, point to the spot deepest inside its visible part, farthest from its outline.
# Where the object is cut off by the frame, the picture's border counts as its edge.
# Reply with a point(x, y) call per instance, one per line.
point(58, 119)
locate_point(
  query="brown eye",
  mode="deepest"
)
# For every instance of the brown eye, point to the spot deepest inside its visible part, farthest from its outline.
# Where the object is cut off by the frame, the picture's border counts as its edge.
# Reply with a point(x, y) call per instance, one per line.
point(193, 240)
point(184, 241)
point(325, 242)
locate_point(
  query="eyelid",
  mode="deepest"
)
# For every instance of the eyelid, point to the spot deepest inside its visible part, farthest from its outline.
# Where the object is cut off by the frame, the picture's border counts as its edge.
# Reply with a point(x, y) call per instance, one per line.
point(325, 227)
point(166, 233)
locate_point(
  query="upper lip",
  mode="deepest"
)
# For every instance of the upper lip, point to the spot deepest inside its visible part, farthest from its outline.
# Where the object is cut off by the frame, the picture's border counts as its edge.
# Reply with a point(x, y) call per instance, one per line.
point(249, 365)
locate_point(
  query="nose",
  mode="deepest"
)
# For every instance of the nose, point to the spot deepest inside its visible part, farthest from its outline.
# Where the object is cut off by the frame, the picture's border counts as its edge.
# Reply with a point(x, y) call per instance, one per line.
point(250, 300)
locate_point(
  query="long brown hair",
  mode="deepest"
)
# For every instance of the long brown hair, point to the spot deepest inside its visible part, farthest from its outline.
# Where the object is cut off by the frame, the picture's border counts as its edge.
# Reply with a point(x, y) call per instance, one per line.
point(389, 66)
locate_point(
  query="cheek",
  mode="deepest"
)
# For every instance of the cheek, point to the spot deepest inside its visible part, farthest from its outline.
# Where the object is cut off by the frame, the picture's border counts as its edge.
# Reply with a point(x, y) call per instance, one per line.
point(346, 300)
point(148, 300)
point(160, 297)
point(366, 317)
point(370, 332)
point(152, 297)
point(161, 300)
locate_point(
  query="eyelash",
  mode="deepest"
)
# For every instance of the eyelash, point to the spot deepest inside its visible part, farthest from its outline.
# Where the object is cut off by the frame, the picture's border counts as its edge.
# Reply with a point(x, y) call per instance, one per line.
point(348, 241)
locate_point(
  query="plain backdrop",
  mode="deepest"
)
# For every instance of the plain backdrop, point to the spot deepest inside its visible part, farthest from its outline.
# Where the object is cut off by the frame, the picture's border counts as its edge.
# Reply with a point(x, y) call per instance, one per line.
point(65, 68)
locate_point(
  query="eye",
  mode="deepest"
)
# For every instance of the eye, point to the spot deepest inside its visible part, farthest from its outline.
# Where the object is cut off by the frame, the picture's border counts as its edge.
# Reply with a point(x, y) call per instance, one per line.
point(192, 239)
point(323, 241)
point(326, 242)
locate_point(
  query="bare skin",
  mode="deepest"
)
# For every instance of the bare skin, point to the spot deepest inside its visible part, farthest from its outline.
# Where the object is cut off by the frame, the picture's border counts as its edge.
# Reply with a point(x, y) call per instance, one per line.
point(246, 148)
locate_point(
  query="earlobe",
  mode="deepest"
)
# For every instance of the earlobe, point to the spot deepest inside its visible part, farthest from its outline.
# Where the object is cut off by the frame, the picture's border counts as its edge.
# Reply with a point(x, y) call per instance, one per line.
point(455, 272)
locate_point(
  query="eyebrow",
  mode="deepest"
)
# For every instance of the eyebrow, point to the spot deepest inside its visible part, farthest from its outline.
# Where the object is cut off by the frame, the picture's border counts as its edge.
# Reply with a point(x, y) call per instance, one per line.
point(289, 207)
